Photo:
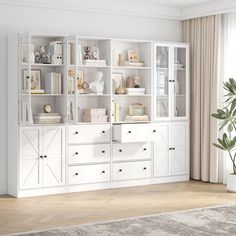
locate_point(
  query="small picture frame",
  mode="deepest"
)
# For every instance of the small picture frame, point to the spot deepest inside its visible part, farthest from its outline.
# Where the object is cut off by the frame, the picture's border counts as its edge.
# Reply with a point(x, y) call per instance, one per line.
point(35, 79)
point(132, 56)
point(80, 79)
point(117, 79)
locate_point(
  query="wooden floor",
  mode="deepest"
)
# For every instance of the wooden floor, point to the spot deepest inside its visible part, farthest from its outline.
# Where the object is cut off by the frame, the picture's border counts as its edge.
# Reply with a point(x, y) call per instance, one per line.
point(39, 213)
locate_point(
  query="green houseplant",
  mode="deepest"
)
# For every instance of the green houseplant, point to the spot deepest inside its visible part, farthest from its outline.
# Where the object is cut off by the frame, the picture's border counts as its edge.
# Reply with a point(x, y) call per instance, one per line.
point(227, 117)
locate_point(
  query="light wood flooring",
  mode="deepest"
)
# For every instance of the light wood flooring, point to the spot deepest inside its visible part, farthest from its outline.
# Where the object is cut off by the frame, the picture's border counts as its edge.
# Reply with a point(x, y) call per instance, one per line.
point(39, 213)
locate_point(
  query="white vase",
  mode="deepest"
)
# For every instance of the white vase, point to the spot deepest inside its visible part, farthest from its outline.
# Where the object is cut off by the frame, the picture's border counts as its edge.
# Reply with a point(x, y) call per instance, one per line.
point(231, 183)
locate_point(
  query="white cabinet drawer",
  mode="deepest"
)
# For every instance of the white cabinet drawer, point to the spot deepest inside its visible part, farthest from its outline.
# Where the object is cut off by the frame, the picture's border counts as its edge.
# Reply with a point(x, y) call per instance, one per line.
point(89, 174)
point(89, 153)
point(131, 133)
point(89, 133)
point(131, 151)
point(131, 170)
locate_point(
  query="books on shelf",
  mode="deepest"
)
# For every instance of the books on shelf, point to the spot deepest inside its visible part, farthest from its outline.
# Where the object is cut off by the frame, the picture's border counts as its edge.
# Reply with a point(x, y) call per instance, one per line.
point(135, 91)
point(53, 83)
point(47, 118)
point(95, 115)
point(137, 118)
point(95, 62)
point(134, 64)
point(35, 91)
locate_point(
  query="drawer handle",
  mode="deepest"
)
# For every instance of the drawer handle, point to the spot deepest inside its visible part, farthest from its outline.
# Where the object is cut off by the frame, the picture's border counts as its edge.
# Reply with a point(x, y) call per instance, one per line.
point(120, 150)
point(41, 157)
point(45, 156)
point(76, 153)
point(129, 132)
point(120, 170)
point(76, 132)
point(173, 148)
point(145, 149)
point(103, 151)
point(103, 172)
point(144, 168)
point(154, 131)
point(76, 173)
point(103, 131)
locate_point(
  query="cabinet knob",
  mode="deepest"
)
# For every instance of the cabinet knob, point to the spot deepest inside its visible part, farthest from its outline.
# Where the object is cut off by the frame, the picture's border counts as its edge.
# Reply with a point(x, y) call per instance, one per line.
point(170, 148)
point(103, 131)
point(120, 150)
point(103, 172)
point(76, 153)
point(76, 173)
point(173, 148)
point(40, 156)
point(76, 132)
point(144, 168)
point(103, 151)
point(45, 156)
point(129, 132)
point(120, 170)
point(154, 131)
point(145, 149)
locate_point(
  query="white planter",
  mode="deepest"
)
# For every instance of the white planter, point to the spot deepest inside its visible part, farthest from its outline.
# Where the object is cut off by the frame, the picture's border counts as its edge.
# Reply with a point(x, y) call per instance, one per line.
point(231, 183)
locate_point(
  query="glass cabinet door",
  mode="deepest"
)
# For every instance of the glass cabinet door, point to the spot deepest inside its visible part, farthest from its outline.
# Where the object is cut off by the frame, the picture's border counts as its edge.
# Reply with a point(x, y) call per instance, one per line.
point(162, 103)
point(180, 76)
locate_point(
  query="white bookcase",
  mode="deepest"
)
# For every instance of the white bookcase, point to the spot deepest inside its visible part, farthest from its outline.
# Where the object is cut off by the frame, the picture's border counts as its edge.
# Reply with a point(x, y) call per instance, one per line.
point(74, 155)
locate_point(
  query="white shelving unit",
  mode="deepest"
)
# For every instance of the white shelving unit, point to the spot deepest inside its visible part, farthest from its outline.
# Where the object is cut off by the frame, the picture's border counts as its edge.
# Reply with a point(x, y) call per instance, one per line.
point(87, 156)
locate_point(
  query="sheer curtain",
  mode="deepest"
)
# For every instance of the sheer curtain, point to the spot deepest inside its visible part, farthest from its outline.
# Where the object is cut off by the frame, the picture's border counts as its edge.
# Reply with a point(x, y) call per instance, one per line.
point(228, 70)
point(204, 36)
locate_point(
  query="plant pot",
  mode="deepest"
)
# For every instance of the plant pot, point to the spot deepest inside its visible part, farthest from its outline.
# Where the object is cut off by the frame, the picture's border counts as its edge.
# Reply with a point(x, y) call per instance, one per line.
point(231, 183)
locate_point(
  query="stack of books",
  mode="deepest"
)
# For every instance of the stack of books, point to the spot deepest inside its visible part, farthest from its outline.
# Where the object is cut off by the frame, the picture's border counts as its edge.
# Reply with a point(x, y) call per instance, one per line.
point(134, 64)
point(143, 118)
point(95, 63)
point(135, 91)
point(95, 115)
point(53, 83)
point(47, 118)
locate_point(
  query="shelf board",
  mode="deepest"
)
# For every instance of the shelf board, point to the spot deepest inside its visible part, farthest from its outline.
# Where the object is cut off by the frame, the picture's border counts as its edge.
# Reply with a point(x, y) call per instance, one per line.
point(131, 67)
point(84, 66)
point(44, 95)
point(131, 122)
point(42, 65)
point(92, 95)
point(132, 95)
point(162, 68)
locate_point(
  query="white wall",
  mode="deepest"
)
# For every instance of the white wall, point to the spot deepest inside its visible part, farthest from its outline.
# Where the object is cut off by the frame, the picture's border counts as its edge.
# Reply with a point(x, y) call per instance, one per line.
point(16, 19)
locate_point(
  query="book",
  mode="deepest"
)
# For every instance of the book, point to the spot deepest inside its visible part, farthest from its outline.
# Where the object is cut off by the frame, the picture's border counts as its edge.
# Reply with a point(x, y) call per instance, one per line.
point(134, 64)
point(53, 83)
point(137, 118)
point(135, 91)
point(95, 62)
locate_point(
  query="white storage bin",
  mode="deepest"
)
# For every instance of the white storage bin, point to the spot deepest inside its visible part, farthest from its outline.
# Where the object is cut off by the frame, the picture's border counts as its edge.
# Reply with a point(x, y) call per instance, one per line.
point(95, 112)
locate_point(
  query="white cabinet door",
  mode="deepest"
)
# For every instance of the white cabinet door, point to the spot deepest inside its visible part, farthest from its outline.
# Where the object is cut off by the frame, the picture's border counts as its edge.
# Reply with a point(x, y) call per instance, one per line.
point(30, 161)
point(54, 156)
point(161, 149)
point(179, 141)
point(170, 149)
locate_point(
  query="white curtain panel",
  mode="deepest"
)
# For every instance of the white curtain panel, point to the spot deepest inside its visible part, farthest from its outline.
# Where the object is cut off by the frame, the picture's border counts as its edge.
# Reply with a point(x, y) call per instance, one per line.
point(228, 70)
point(204, 36)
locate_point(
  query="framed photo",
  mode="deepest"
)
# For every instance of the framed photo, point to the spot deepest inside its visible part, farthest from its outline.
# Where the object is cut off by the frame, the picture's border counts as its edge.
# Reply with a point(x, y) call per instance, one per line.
point(132, 56)
point(35, 79)
point(80, 79)
point(117, 79)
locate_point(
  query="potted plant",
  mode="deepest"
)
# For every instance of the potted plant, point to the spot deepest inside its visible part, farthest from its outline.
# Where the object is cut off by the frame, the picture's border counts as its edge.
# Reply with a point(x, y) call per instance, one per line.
point(227, 117)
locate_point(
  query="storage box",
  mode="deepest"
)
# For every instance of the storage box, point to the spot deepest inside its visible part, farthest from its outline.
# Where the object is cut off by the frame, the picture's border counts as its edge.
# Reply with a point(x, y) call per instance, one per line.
point(95, 112)
point(95, 119)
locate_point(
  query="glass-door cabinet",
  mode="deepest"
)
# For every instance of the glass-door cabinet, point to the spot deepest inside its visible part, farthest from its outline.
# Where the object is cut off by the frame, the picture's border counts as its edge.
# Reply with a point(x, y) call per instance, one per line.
point(171, 81)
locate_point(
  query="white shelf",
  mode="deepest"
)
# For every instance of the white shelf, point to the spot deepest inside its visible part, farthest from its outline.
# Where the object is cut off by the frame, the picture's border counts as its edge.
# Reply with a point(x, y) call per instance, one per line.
point(92, 95)
point(131, 67)
point(44, 95)
point(84, 66)
point(132, 95)
point(25, 65)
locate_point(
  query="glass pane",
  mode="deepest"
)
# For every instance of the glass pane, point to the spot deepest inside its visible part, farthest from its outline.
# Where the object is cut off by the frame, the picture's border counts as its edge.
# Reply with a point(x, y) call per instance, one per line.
point(180, 82)
point(162, 82)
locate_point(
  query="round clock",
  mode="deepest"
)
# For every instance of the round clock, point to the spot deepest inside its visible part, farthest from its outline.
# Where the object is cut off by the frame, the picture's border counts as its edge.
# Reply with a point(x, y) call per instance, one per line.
point(47, 108)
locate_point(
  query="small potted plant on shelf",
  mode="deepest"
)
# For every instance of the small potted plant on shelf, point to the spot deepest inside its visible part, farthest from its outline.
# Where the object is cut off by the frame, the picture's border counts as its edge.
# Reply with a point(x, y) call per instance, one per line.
point(227, 117)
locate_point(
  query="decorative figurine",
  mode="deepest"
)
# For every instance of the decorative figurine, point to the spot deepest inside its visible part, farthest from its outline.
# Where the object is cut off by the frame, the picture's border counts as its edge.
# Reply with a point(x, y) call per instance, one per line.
point(95, 53)
point(87, 50)
point(97, 86)
point(47, 108)
point(37, 57)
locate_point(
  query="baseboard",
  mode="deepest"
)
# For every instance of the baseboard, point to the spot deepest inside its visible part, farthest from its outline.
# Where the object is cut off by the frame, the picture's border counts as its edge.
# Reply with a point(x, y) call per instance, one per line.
point(3, 190)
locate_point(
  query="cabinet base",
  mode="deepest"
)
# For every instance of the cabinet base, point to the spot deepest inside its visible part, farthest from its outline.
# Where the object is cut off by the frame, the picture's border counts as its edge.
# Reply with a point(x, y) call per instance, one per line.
point(100, 186)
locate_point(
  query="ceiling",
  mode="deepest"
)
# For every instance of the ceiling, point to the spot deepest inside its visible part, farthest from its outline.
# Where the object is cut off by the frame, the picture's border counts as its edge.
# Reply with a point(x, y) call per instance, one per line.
point(168, 9)
point(175, 3)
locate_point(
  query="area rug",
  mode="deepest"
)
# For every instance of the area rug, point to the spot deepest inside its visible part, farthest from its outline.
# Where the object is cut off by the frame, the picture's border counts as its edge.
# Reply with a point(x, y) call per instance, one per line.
point(207, 221)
